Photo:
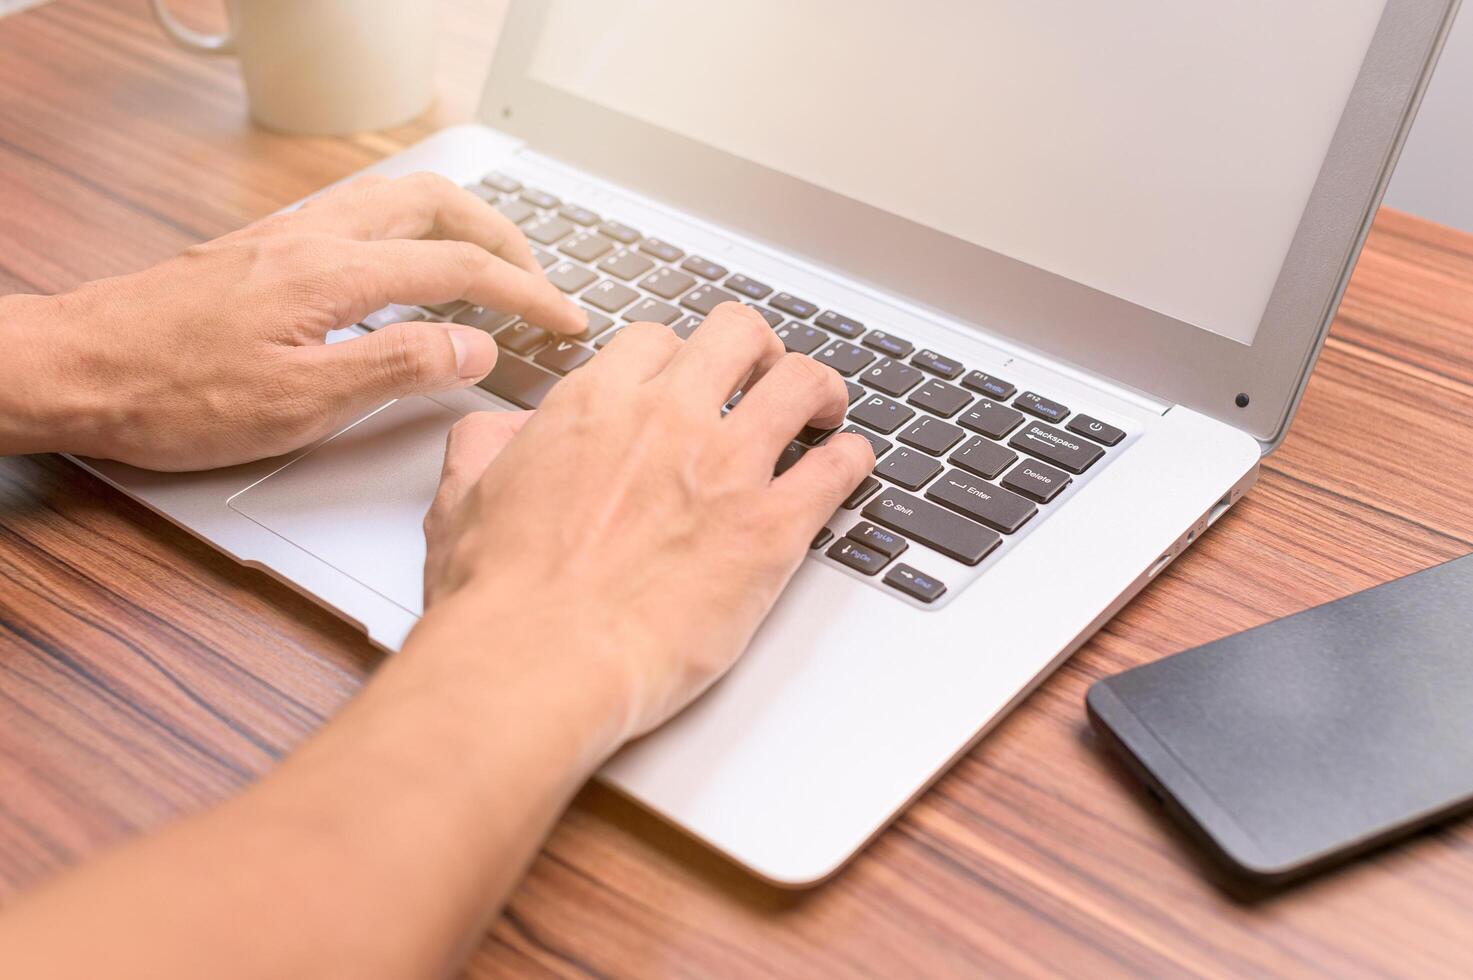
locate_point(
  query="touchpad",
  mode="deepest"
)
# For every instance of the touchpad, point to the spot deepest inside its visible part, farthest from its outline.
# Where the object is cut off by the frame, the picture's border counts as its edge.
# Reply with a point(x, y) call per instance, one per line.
point(358, 501)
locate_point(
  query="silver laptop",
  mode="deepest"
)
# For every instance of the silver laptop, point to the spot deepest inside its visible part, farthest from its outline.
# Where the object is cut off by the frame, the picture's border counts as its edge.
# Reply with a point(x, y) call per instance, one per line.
point(1075, 260)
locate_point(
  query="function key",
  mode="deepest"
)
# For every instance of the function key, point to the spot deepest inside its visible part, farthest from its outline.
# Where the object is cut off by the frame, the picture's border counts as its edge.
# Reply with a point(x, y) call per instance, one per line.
point(539, 199)
point(929, 360)
point(844, 357)
point(516, 211)
point(747, 287)
point(1087, 425)
point(792, 305)
point(1048, 443)
point(1035, 480)
point(772, 317)
point(840, 324)
point(800, 338)
point(940, 397)
point(888, 344)
point(886, 542)
point(502, 183)
point(1035, 404)
point(619, 232)
point(915, 583)
point(857, 556)
point(703, 267)
point(578, 215)
point(704, 299)
point(586, 246)
point(660, 250)
point(990, 419)
point(988, 385)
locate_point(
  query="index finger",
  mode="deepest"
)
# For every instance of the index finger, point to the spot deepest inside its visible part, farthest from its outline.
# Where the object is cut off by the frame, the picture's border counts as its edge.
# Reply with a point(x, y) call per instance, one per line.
point(422, 205)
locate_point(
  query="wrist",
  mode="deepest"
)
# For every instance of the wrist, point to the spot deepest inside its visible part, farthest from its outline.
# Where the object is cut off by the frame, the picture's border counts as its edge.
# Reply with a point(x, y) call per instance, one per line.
point(44, 406)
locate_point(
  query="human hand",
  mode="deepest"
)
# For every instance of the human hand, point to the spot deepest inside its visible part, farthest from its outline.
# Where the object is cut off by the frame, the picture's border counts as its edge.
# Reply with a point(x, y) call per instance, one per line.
point(217, 356)
point(630, 534)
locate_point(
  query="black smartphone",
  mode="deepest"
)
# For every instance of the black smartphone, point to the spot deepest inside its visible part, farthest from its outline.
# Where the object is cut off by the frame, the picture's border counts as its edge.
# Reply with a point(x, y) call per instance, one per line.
point(1305, 741)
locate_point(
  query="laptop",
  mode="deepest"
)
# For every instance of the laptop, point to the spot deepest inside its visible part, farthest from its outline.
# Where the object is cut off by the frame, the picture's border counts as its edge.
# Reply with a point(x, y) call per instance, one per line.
point(1075, 262)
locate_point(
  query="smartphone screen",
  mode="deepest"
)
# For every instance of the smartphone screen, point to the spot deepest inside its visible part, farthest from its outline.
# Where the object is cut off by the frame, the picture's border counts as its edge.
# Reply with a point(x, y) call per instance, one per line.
point(1306, 740)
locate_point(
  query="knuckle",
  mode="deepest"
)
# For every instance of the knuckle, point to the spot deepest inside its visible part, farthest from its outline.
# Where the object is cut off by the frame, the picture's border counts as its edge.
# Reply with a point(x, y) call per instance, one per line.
point(411, 356)
point(428, 182)
point(807, 371)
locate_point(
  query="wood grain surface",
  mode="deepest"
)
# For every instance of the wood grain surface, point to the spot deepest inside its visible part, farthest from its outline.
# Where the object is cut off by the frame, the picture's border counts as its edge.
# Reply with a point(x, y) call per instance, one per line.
point(142, 675)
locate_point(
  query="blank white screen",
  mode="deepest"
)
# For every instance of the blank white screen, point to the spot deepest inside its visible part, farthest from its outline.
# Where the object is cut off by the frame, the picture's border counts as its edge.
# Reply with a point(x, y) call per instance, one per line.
point(1161, 151)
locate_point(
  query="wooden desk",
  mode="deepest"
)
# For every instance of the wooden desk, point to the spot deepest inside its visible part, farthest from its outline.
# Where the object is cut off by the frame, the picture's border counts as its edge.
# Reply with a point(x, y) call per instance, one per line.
point(142, 675)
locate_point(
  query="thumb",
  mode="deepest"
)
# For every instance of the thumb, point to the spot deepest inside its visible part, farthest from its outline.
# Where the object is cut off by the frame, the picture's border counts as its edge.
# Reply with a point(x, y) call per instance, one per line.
point(406, 359)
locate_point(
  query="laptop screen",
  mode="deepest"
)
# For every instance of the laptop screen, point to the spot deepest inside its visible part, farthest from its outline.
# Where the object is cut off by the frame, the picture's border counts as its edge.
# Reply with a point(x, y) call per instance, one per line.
point(1156, 150)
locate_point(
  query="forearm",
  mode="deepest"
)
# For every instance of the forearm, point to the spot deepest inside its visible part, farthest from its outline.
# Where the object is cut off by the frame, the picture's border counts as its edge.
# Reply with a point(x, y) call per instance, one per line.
point(379, 849)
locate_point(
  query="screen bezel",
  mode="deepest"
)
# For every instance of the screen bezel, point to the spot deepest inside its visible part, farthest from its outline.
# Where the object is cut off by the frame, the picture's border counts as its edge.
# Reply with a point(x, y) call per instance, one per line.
point(1166, 358)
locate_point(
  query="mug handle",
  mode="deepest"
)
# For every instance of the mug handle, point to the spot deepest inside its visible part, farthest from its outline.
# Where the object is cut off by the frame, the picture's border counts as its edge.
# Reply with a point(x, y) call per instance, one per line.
point(188, 37)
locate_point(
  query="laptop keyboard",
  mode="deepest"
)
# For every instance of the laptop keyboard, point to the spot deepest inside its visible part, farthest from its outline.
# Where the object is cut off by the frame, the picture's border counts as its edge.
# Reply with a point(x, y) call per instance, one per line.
point(964, 460)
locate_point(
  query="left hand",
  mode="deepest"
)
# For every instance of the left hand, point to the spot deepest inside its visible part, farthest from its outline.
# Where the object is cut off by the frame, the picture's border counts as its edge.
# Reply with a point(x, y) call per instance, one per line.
point(217, 356)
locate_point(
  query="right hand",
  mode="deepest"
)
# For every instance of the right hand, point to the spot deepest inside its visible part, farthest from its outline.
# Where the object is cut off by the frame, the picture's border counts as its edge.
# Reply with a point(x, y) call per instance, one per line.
point(630, 534)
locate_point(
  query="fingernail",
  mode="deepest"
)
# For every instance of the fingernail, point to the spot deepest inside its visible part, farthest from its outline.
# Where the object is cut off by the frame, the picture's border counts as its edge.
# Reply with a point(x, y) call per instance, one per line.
point(475, 353)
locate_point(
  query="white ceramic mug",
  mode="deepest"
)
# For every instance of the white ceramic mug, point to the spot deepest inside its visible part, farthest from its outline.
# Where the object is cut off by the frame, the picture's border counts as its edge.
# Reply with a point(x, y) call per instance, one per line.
point(325, 67)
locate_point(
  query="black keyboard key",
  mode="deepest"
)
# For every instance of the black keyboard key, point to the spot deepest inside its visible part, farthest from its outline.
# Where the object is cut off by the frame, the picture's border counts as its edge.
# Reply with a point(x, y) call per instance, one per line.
point(907, 468)
point(861, 493)
point(1059, 448)
point(652, 310)
point(522, 338)
point(660, 249)
point(548, 229)
point(855, 391)
point(447, 308)
point(1036, 404)
point(578, 215)
point(484, 319)
point(840, 324)
point(881, 414)
point(703, 267)
point(933, 526)
point(990, 419)
point(619, 232)
point(983, 457)
point(892, 377)
point(858, 556)
point(999, 509)
point(915, 583)
point(939, 397)
point(772, 317)
point(823, 537)
point(570, 277)
point(988, 385)
point(502, 183)
point(516, 211)
point(704, 299)
point(790, 456)
point(487, 194)
point(887, 543)
point(800, 338)
point(667, 283)
point(597, 324)
point(544, 259)
point(880, 446)
point(686, 325)
point(610, 296)
point(845, 358)
point(929, 360)
point(750, 288)
point(811, 436)
point(931, 435)
point(888, 343)
point(395, 313)
point(563, 356)
point(586, 246)
point(626, 265)
point(793, 306)
point(520, 383)
point(1039, 481)
point(540, 199)
point(1093, 428)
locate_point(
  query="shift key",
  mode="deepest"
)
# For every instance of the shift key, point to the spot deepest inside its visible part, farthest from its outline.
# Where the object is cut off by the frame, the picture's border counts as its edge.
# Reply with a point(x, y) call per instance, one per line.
point(933, 526)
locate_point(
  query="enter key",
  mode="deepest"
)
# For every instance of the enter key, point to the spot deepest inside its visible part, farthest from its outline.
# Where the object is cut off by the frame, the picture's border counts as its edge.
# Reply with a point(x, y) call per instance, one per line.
point(981, 501)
